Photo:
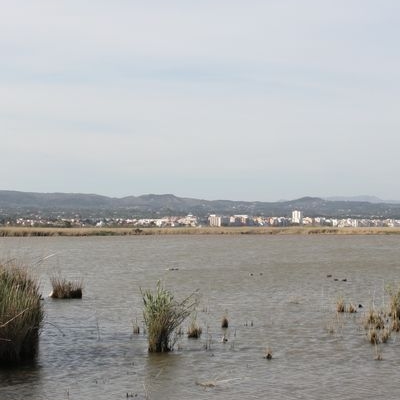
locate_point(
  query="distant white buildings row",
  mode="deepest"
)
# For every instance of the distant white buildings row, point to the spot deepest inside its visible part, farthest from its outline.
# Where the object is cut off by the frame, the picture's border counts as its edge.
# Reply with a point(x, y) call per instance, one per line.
point(214, 220)
point(299, 219)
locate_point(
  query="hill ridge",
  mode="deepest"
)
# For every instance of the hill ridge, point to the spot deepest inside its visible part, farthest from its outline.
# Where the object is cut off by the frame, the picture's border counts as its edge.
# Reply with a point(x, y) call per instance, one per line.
point(18, 202)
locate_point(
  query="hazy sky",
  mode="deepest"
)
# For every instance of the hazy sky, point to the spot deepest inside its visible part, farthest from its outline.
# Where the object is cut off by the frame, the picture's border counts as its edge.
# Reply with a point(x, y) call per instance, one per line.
point(242, 100)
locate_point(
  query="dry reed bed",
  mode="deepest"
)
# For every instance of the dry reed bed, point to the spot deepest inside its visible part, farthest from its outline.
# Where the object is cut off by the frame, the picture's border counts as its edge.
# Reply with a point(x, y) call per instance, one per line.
point(31, 231)
point(379, 323)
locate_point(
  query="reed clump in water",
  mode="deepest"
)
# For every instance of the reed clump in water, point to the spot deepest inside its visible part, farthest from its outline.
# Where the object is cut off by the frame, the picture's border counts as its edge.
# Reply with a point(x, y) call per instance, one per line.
point(340, 305)
point(377, 326)
point(224, 322)
point(64, 289)
point(381, 323)
point(373, 335)
point(385, 334)
point(268, 353)
point(395, 325)
point(394, 301)
point(351, 308)
point(394, 306)
point(194, 330)
point(21, 315)
point(374, 318)
point(163, 315)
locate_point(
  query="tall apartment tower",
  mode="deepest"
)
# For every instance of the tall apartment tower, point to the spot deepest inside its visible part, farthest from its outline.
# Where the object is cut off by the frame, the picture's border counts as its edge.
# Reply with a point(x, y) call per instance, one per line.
point(214, 220)
point(297, 217)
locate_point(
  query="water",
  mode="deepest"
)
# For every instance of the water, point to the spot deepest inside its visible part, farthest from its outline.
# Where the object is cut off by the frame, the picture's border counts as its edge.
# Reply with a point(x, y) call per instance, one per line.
point(276, 294)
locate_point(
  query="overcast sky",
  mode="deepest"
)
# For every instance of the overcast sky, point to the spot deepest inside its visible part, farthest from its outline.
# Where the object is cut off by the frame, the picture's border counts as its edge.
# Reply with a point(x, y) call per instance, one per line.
point(215, 99)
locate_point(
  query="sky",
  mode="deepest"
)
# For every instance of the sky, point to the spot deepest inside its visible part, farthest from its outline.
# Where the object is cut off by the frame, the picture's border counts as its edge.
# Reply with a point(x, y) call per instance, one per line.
point(241, 100)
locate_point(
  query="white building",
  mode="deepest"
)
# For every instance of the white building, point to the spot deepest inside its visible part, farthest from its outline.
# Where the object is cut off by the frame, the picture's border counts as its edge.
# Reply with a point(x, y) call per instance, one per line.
point(239, 220)
point(297, 217)
point(214, 220)
point(189, 220)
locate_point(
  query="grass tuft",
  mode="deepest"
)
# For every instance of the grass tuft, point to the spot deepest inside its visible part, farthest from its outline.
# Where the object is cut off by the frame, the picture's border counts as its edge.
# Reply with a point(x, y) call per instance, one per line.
point(194, 330)
point(373, 336)
point(340, 305)
point(374, 318)
point(385, 334)
point(163, 315)
point(351, 308)
point(377, 326)
point(63, 289)
point(21, 314)
point(394, 303)
point(396, 325)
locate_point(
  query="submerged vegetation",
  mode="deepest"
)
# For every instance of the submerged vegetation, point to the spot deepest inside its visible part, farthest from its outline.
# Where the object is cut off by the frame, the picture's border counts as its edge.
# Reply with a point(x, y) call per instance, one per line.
point(379, 323)
point(163, 315)
point(21, 314)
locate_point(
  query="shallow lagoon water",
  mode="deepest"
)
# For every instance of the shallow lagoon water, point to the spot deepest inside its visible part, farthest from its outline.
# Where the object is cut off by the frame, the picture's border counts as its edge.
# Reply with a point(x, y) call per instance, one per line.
point(276, 294)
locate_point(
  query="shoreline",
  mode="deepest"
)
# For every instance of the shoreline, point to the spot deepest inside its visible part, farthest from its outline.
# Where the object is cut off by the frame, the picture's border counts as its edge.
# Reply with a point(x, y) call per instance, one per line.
point(92, 231)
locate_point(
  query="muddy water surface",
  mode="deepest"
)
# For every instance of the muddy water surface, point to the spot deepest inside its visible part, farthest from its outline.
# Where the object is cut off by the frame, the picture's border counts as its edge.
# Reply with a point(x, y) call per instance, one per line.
point(274, 290)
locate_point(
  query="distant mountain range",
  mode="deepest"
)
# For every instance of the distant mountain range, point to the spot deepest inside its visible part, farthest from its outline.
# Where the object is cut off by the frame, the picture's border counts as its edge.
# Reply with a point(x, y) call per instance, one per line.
point(14, 203)
point(369, 199)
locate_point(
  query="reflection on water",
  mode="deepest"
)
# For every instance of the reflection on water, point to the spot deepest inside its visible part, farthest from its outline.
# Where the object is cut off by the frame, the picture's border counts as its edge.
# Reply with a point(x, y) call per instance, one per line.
point(275, 291)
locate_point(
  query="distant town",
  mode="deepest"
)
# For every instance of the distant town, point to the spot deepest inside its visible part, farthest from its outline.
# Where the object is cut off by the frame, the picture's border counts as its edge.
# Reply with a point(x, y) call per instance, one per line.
point(213, 220)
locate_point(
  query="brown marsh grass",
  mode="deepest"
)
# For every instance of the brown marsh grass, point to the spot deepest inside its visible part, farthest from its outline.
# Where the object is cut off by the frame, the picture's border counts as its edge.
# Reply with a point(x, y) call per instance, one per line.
point(351, 308)
point(378, 326)
point(94, 231)
point(394, 301)
point(194, 330)
point(378, 323)
point(64, 289)
point(373, 336)
point(340, 305)
point(374, 318)
point(395, 325)
point(385, 334)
